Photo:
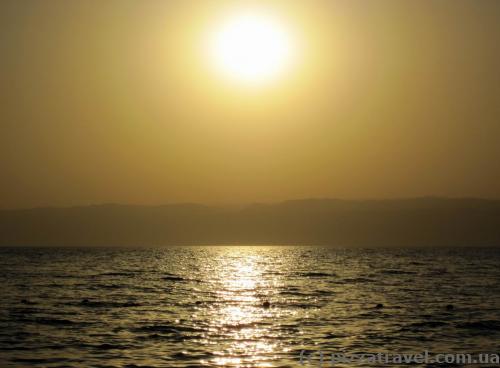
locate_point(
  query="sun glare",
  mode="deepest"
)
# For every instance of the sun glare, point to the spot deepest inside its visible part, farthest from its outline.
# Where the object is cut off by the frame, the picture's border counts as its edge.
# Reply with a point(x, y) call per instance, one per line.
point(251, 48)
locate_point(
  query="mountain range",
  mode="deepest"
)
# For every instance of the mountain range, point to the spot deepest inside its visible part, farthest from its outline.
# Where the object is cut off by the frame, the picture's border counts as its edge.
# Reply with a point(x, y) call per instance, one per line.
point(425, 221)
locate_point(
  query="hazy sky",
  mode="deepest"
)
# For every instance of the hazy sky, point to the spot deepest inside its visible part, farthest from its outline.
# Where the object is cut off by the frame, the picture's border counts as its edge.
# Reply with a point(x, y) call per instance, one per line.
point(115, 101)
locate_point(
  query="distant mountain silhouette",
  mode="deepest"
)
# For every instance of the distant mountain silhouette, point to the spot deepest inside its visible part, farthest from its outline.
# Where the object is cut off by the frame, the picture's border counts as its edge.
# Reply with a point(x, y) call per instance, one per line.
point(404, 222)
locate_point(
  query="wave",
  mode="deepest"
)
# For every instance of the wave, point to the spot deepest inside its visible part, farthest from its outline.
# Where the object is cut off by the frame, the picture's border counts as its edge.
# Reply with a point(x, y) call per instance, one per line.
point(485, 325)
point(108, 304)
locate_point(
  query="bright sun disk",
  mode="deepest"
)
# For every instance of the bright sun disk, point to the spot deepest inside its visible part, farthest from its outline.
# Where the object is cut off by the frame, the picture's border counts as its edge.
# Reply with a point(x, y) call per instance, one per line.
point(251, 48)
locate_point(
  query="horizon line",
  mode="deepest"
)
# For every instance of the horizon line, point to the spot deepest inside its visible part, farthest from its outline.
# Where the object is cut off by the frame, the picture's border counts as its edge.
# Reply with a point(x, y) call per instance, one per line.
point(255, 203)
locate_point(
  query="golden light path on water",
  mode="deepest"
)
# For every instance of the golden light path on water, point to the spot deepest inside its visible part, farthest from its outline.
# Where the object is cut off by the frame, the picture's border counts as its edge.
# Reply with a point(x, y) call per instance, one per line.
point(242, 317)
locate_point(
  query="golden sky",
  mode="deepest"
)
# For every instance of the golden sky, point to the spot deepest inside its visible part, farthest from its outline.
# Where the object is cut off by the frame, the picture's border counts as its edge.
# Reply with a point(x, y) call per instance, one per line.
point(119, 101)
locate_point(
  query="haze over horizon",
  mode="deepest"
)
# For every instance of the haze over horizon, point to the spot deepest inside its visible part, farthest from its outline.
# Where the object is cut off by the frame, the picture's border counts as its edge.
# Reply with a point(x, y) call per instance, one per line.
point(117, 102)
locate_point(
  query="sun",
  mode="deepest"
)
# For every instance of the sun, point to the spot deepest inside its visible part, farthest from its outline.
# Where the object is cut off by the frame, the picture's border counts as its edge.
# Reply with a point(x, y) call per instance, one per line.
point(251, 47)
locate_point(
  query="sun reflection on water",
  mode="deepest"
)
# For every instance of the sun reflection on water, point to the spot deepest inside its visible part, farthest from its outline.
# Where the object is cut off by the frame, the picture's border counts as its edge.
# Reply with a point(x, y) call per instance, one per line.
point(241, 315)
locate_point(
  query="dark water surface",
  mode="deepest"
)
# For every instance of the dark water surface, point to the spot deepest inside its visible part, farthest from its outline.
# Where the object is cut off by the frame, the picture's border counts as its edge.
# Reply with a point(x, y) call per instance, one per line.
point(206, 306)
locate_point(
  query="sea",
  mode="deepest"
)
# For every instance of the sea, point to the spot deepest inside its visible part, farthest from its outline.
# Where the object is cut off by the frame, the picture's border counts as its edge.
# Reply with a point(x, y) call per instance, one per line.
point(247, 306)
